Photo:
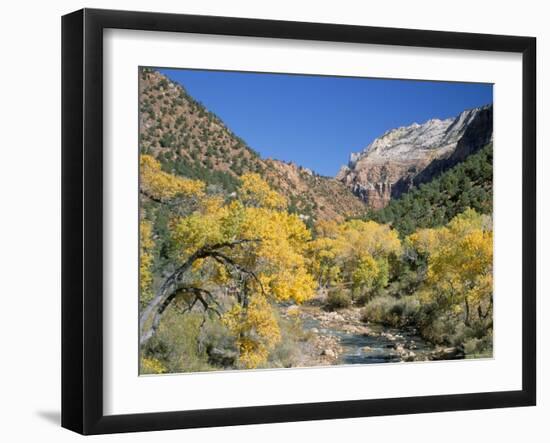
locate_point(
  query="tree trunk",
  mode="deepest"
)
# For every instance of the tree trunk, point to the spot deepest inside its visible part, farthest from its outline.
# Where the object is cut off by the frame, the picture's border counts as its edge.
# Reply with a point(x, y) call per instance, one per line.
point(467, 306)
point(169, 287)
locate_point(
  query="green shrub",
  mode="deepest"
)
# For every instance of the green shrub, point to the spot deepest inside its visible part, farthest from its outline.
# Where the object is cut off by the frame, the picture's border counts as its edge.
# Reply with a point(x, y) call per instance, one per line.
point(479, 347)
point(182, 345)
point(391, 311)
point(442, 329)
point(475, 338)
point(363, 296)
point(338, 299)
point(288, 352)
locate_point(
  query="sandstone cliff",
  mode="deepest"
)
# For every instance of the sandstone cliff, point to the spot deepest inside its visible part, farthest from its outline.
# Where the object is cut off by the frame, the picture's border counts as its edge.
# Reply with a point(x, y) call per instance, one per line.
point(407, 156)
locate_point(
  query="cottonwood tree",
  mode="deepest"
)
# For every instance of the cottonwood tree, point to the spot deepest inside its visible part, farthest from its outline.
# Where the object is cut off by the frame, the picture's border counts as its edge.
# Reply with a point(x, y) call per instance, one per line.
point(459, 277)
point(354, 254)
point(249, 248)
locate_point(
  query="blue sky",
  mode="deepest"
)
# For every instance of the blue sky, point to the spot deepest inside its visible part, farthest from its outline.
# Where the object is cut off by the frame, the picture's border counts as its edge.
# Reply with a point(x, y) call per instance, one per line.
point(317, 121)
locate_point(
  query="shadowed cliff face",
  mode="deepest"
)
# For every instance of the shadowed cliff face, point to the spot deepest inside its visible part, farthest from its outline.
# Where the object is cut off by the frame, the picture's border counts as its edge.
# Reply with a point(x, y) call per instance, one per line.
point(407, 156)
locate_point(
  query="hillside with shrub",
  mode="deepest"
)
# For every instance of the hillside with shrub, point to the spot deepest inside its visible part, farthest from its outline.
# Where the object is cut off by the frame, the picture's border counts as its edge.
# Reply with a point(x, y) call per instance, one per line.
point(467, 185)
point(190, 141)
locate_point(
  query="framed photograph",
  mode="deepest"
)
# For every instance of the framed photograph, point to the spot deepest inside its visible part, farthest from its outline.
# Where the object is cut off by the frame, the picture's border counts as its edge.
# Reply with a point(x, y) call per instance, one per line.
point(268, 221)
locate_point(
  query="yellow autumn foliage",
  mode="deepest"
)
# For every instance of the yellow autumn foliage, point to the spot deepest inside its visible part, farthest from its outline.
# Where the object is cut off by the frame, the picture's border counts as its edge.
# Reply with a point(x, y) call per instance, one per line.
point(427, 240)
point(460, 263)
point(146, 245)
point(366, 272)
point(152, 366)
point(353, 252)
point(262, 239)
point(162, 186)
point(257, 254)
point(256, 329)
point(256, 192)
point(359, 237)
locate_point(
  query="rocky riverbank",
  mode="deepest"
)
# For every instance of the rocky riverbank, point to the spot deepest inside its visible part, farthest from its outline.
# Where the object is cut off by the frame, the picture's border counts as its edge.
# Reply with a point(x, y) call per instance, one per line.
point(340, 337)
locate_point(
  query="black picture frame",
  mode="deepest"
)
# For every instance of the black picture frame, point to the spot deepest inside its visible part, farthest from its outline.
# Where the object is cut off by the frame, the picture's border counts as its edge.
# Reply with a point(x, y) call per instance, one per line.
point(82, 219)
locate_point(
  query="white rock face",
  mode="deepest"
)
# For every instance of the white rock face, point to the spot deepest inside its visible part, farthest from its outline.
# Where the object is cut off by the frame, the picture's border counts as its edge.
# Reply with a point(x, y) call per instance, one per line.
point(416, 141)
point(400, 154)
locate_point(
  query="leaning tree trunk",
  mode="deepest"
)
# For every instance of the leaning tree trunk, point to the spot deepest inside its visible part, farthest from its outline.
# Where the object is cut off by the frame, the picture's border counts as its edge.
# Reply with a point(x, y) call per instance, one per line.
point(172, 285)
point(163, 297)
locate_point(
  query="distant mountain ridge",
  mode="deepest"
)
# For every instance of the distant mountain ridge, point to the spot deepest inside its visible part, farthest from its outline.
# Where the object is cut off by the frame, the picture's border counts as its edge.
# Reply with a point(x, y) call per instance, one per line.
point(190, 141)
point(407, 156)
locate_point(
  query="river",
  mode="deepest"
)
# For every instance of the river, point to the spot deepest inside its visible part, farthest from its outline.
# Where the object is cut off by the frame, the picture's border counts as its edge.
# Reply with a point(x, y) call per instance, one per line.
point(342, 338)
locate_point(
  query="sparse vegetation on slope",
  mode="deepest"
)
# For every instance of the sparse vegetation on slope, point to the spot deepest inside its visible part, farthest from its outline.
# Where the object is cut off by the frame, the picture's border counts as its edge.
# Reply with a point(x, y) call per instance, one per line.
point(467, 185)
point(190, 141)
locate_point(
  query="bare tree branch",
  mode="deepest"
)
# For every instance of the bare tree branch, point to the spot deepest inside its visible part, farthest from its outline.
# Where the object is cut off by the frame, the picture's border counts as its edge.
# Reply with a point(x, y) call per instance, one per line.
point(199, 297)
point(224, 260)
point(169, 284)
point(169, 288)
